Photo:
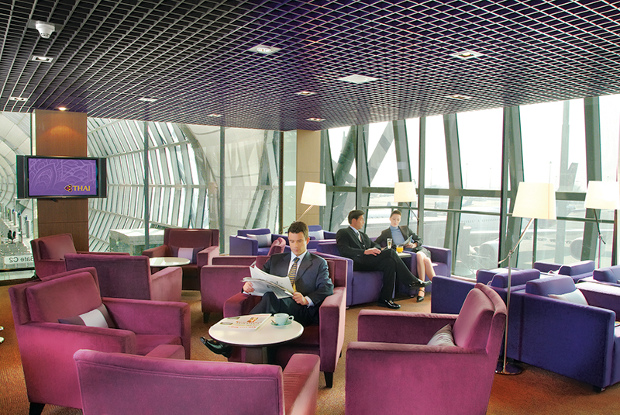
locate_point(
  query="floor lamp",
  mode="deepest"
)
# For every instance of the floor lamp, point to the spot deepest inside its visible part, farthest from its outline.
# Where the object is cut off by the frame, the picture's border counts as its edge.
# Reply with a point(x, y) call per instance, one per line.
point(314, 194)
point(601, 195)
point(404, 192)
point(534, 201)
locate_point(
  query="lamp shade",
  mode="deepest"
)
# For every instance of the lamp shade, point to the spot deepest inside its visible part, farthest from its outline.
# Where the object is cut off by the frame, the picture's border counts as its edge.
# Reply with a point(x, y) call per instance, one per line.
point(404, 192)
point(602, 195)
point(535, 200)
point(314, 194)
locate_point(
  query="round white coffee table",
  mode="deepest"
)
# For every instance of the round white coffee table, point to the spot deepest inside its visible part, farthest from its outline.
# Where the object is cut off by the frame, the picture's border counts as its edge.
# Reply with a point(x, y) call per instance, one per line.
point(256, 340)
point(168, 261)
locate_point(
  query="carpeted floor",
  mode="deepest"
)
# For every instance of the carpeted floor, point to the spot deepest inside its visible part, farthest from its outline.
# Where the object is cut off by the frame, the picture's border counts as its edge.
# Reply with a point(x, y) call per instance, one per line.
point(535, 391)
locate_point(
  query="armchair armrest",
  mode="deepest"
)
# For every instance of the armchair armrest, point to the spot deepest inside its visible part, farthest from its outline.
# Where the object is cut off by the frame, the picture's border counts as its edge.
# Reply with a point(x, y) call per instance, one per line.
point(300, 380)
point(331, 328)
point(442, 255)
point(158, 251)
point(240, 304)
point(205, 257)
point(166, 284)
point(329, 235)
point(46, 267)
point(246, 260)
point(158, 317)
point(240, 245)
point(400, 326)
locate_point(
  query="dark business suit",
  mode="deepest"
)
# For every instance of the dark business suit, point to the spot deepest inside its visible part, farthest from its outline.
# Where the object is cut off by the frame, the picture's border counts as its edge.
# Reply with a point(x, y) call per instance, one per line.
point(312, 280)
point(393, 268)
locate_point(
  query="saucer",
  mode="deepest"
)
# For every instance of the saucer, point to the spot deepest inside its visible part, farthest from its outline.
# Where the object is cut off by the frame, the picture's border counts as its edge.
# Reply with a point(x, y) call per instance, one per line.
point(281, 325)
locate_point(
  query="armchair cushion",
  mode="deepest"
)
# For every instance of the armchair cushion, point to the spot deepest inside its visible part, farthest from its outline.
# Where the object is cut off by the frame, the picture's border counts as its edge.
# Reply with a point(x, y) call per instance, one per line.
point(264, 240)
point(188, 253)
point(56, 247)
point(99, 317)
point(575, 297)
point(443, 337)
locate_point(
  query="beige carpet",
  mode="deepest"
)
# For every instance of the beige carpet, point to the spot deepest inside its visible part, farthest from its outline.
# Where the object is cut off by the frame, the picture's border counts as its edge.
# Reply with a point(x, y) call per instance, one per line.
point(535, 391)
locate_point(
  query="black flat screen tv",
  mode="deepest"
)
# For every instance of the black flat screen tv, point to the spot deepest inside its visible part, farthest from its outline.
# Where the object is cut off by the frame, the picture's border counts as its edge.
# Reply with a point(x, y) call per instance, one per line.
point(40, 177)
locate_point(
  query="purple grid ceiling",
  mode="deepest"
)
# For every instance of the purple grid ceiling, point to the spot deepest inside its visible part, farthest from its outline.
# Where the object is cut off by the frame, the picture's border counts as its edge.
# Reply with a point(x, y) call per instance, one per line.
point(192, 56)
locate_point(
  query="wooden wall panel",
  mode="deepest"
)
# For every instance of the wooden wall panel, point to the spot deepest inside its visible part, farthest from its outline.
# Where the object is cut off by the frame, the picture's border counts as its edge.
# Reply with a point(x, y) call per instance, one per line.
point(308, 170)
point(62, 134)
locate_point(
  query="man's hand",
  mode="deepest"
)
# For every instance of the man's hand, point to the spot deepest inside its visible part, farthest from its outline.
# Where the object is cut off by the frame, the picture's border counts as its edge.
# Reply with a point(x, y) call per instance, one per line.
point(372, 251)
point(299, 298)
point(247, 287)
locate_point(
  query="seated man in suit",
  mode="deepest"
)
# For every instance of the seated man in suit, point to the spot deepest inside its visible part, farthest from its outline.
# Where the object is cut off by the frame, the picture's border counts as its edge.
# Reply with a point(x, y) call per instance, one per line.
point(367, 256)
point(310, 279)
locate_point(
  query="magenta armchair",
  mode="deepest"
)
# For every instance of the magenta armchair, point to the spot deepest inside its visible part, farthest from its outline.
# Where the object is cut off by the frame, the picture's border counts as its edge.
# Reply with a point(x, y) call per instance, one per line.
point(47, 346)
point(391, 369)
point(205, 245)
point(325, 339)
point(124, 276)
point(114, 383)
point(48, 253)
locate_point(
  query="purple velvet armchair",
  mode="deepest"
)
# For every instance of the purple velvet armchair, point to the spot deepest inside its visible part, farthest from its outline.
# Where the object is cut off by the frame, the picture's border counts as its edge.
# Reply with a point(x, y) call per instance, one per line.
point(325, 340)
point(124, 276)
point(254, 242)
point(575, 340)
point(391, 359)
point(48, 253)
point(47, 346)
point(141, 385)
point(576, 271)
point(205, 245)
point(364, 286)
point(222, 279)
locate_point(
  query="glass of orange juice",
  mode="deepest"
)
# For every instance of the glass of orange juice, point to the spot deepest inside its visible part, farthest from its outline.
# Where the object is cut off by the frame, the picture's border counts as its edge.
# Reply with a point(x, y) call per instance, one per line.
point(399, 249)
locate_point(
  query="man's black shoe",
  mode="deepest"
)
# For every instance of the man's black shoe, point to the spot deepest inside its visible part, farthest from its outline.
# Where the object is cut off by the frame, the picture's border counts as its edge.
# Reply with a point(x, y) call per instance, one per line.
point(217, 347)
point(388, 304)
point(420, 284)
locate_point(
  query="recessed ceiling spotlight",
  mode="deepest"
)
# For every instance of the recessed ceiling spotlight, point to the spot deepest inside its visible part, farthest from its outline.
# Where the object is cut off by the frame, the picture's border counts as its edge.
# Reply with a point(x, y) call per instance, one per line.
point(18, 99)
point(305, 93)
point(45, 59)
point(144, 99)
point(466, 54)
point(358, 79)
point(62, 108)
point(214, 115)
point(315, 119)
point(264, 49)
point(459, 97)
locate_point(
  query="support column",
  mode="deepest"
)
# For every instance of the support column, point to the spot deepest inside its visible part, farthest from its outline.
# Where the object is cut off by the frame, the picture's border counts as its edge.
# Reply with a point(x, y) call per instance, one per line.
point(61, 133)
point(308, 170)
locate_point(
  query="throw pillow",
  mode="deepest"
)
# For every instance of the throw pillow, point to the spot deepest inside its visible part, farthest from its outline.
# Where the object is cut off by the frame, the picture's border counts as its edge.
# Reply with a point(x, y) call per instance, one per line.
point(99, 317)
point(443, 337)
point(318, 235)
point(189, 253)
point(264, 240)
point(575, 297)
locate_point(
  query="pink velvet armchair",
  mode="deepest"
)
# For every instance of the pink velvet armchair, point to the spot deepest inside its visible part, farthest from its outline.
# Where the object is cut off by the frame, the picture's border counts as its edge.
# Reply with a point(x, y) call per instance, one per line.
point(391, 369)
point(47, 346)
point(113, 383)
point(124, 276)
point(204, 244)
point(48, 253)
point(325, 339)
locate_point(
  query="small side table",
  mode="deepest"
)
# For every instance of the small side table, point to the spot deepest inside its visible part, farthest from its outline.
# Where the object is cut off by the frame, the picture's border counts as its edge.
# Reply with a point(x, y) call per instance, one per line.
point(168, 261)
point(256, 341)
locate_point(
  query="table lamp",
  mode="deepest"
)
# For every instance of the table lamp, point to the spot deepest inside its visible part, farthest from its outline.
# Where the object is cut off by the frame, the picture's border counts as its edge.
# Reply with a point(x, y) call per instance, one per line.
point(314, 194)
point(404, 192)
point(534, 201)
point(601, 195)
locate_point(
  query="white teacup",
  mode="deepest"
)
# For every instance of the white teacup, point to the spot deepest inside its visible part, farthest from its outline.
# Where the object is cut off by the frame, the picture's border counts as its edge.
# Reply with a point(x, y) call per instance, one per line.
point(282, 318)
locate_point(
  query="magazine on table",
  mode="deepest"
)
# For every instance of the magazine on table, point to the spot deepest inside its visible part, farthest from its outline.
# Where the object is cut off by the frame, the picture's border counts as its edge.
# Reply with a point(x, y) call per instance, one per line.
point(249, 322)
point(264, 282)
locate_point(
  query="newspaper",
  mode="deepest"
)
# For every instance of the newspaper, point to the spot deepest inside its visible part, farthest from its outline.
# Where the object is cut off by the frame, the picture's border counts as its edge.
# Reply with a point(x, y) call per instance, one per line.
point(249, 322)
point(264, 282)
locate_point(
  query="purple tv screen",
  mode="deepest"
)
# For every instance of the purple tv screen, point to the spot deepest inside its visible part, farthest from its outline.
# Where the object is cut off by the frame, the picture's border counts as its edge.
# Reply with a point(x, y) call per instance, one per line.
point(62, 177)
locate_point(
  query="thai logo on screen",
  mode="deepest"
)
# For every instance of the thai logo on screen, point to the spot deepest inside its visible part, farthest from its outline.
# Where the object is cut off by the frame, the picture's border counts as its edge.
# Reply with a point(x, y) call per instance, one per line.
point(77, 188)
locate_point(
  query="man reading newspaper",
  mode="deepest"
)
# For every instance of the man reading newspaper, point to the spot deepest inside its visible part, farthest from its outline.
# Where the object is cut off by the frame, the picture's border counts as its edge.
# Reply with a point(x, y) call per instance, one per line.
point(309, 276)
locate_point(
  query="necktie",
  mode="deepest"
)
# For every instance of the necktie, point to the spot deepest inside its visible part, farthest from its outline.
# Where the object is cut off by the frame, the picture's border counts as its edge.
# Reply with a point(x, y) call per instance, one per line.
point(292, 273)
